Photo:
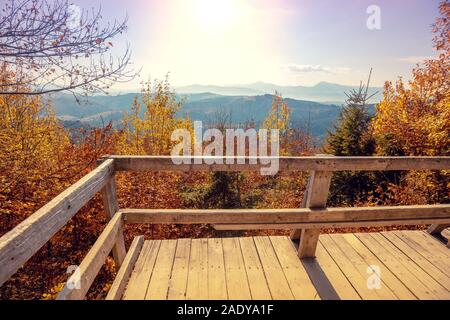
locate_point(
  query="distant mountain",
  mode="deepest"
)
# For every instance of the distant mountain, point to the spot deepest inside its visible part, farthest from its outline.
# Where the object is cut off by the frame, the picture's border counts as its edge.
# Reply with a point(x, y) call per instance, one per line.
point(66, 105)
point(226, 91)
point(322, 92)
point(101, 109)
point(75, 124)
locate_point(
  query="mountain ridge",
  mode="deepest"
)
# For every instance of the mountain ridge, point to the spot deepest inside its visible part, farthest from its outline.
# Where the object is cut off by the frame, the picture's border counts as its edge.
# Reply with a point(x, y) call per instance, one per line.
point(201, 102)
point(323, 91)
point(99, 110)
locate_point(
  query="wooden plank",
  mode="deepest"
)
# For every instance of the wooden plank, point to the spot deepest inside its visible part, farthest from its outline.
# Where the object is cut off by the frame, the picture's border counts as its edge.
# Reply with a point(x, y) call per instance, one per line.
point(109, 196)
point(142, 273)
point(255, 274)
point(295, 273)
point(358, 281)
point(136, 273)
point(328, 225)
point(179, 279)
point(421, 261)
point(361, 257)
point(433, 243)
point(433, 254)
point(436, 287)
point(296, 216)
point(364, 269)
point(427, 245)
point(398, 266)
point(122, 277)
point(91, 264)
point(317, 195)
point(217, 286)
point(389, 279)
point(327, 277)
point(159, 282)
point(314, 163)
point(276, 280)
point(197, 285)
point(22, 242)
point(237, 282)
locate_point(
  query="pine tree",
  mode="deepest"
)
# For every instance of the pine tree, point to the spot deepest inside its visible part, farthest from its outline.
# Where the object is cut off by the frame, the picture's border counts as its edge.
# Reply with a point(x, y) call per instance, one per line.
point(223, 188)
point(352, 137)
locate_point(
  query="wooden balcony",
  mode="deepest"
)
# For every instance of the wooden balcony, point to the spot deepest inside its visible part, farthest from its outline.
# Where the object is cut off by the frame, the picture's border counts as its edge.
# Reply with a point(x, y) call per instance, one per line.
point(307, 265)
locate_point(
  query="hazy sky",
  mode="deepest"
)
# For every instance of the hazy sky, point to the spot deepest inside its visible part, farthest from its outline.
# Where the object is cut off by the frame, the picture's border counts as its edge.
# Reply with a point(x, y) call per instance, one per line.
point(288, 42)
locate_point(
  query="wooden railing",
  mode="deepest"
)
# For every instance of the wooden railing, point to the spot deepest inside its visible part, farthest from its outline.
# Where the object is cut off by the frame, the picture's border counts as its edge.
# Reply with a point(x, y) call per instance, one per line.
point(21, 243)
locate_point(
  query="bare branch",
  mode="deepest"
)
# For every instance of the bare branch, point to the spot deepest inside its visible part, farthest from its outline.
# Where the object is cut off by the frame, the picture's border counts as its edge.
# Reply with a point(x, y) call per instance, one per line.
point(52, 46)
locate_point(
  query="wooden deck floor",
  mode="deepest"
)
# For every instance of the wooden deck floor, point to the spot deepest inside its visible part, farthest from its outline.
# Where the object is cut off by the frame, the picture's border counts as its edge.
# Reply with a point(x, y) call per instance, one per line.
point(412, 265)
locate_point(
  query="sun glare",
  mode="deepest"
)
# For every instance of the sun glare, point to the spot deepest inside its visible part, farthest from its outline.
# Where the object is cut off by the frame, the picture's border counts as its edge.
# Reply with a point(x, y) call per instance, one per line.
point(216, 15)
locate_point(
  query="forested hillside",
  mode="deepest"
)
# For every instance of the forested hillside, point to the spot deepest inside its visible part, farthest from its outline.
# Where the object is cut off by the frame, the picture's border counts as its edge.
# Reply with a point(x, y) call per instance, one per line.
point(98, 110)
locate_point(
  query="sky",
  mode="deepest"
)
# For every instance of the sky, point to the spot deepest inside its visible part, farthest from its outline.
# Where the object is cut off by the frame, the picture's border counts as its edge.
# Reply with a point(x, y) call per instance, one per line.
point(285, 42)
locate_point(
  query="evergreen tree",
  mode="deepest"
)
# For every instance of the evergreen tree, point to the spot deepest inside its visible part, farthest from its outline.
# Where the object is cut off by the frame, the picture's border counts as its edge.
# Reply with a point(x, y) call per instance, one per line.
point(352, 137)
point(223, 191)
point(222, 188)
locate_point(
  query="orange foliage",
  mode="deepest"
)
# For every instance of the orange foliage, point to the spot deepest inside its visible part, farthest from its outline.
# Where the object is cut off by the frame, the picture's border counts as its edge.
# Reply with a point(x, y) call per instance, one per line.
point(39, 159)
point(415, 119)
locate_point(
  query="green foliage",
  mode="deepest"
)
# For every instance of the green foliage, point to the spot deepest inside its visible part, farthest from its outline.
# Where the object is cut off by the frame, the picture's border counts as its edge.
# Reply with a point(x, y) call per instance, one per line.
point(223, 192)
point(352, 137)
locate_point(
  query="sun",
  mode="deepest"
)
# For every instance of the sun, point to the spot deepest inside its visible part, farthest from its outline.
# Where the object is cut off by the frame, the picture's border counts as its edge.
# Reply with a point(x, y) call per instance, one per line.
point(216, 15)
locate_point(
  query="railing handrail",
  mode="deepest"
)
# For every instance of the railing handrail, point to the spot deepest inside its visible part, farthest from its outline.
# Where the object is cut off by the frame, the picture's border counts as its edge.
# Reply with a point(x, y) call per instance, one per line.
point(307, 163)
point(292, 216)
point(21, 243)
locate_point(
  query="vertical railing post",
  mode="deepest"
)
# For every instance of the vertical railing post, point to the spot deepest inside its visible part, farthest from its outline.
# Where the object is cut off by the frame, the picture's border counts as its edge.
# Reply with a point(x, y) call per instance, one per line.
point(437, 228)
point(295, 234)
point(316, 196)
point(109, 195)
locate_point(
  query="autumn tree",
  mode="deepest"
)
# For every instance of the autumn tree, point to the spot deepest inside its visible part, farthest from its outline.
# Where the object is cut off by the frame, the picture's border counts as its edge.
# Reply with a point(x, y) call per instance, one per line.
point(147, 129)
point(31, 145)
point(38, 160)
point(279, 118)
point(38, 157)
point(413, 118)
point(53, 46)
